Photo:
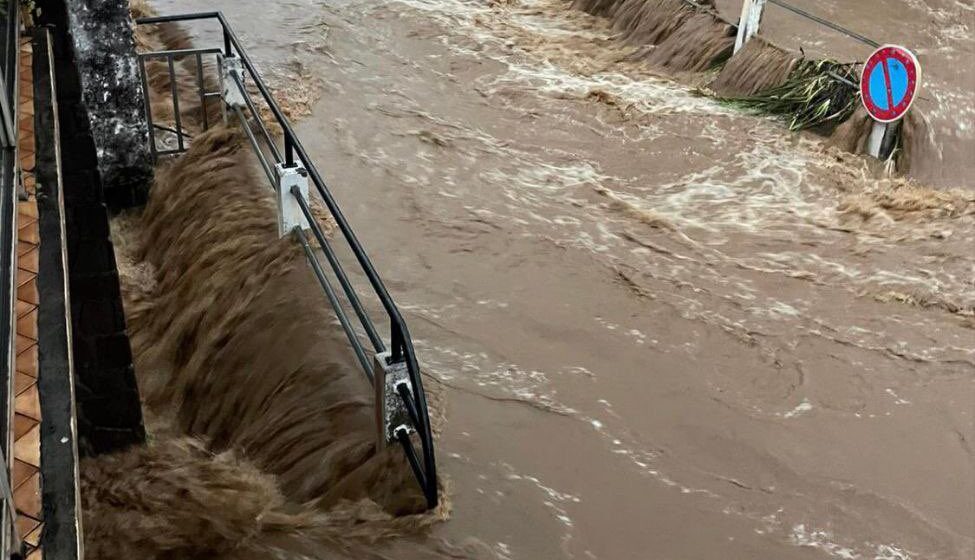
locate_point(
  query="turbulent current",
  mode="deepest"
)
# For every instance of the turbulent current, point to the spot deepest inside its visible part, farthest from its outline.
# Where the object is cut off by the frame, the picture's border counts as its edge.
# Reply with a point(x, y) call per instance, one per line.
point(651, 325)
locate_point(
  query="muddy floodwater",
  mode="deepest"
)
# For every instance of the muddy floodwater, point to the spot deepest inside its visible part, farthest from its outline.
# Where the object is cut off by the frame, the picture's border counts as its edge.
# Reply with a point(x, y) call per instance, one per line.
point(657, 327)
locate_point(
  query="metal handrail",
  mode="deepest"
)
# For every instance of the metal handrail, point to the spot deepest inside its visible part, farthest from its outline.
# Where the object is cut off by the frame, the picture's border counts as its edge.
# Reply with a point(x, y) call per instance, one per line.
point(802, 13)
point(798, 11)
point(11, 543)
point(826, 23)
point(835, 27)
point(401, 345)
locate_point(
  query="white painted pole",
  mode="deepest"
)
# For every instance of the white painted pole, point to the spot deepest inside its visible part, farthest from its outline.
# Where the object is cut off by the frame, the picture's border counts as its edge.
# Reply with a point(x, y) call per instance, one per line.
point(876, 141)
point(751, 18)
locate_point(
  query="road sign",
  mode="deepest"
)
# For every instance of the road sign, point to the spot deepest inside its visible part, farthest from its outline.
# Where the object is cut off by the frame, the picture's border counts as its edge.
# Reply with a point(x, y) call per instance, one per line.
point(889, 83)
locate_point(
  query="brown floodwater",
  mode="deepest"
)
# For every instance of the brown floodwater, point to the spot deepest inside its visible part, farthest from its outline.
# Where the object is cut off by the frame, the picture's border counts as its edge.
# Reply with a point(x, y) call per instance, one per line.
point(655, 327)
point(938, 31)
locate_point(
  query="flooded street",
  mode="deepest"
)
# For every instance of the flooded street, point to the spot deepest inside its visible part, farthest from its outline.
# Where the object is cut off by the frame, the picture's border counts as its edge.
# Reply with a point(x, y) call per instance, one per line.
point(656, 327)
point(939, 32)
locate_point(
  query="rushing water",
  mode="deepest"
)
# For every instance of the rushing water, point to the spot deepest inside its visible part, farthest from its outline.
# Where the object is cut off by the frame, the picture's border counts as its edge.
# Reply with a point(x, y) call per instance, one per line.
point(655, 327)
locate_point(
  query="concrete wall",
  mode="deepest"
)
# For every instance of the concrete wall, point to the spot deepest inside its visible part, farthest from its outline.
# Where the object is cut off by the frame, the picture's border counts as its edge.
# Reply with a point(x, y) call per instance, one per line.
point(106, 166)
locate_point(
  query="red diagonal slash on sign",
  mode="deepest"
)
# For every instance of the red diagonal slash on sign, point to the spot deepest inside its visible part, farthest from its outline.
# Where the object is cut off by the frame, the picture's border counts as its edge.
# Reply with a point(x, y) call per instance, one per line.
point(890, 89)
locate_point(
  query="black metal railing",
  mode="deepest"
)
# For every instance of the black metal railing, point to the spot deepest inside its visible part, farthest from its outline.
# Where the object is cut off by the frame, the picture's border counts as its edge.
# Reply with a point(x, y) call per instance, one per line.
point(294, 155)
point(179, 132)
point(11, 544)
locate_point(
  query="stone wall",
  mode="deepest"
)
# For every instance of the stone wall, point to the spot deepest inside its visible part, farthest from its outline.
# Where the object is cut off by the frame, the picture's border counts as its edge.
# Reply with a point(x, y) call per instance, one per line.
point(100, 37)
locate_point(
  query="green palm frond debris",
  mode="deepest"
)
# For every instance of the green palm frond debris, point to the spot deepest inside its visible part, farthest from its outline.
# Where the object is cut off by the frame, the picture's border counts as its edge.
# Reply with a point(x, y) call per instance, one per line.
point(817, 94)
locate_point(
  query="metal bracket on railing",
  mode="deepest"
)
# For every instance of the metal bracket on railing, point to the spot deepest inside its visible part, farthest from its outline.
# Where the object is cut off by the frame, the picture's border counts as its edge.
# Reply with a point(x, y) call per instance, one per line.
point(230, 67)
point(392, 415)
point(289, 210)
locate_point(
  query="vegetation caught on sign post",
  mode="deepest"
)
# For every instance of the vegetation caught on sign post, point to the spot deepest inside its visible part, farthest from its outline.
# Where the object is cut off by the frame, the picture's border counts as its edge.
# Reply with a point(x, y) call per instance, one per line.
point(816, 95)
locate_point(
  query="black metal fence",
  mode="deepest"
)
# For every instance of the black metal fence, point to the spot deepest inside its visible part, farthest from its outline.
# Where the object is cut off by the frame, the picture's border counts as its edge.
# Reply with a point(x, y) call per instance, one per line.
point(177, 133)
point(294, 155)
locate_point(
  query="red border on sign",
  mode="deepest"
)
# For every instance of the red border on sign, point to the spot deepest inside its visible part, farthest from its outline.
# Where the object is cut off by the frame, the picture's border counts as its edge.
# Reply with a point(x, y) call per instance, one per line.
point(910, 62)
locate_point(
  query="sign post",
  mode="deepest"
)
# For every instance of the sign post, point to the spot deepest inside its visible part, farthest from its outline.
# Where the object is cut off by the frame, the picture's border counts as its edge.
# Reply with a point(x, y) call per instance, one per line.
point(751, 17)
point(888, 86)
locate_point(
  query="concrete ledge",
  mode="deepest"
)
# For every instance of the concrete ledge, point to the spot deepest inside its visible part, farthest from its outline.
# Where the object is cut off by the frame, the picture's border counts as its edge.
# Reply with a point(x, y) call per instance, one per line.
point(99, 36)
point(61, 537)
point(109, 413)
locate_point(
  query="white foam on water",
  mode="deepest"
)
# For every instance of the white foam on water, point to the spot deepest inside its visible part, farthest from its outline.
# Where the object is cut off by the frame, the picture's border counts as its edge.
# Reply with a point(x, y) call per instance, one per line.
point(554, 500)
point(824, 541)
point(897, 398)
point(801, 408)
point(650, 95)
point(821, 540)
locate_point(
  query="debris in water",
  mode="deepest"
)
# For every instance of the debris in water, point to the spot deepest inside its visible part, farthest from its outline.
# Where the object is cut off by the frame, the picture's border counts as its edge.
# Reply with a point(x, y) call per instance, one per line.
point(811, 97)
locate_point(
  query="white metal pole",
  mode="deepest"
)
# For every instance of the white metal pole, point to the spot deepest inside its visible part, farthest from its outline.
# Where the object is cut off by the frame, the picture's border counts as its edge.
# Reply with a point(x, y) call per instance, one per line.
point(751, 18)
point(876, 141)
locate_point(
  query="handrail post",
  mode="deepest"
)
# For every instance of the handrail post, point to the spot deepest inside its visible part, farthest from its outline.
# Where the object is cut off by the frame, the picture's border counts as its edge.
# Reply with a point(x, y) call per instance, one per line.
point(289, 150)
point(226, 43)
point(396, 342)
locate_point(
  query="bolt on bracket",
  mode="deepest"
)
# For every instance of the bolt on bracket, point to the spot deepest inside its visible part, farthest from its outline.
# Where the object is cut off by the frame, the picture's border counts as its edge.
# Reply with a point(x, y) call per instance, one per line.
point(391, 413)
point(289, 211)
